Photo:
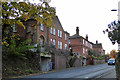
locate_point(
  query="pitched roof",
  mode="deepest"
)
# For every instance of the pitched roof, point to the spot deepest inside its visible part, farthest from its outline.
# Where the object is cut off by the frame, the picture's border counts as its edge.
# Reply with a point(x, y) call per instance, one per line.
point(99, 45)
point(57, 23)
point(75, 36)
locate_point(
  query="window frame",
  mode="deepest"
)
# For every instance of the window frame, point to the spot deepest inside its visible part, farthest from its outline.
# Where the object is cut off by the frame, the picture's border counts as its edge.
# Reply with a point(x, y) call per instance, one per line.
point(42, 27)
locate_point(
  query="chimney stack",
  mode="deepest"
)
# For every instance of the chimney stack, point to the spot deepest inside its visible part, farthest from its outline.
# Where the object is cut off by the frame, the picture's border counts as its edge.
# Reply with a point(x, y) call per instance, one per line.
point(77, 30)
point(96, 41)
point(86, 36)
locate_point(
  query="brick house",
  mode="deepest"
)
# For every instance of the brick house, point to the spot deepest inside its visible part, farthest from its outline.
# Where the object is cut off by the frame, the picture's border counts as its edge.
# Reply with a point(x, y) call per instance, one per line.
point(54, 35)
point(98, 49)
point(80, 45)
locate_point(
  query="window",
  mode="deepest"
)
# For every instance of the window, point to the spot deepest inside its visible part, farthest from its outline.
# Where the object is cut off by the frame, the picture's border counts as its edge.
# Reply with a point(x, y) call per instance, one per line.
point(60, 45)
point(65, 46)
point(61, 34)
point(69, 42)
point(91, 45)
point(42, 27)
point(83, 41)
point(58, 33)
point(83, 50)
point(86, 51)
point(51, 30)
point(54, 42)
point(14, 28)
point(65, 36)
point(54, 31)
point(86, 43)
point(51, 41)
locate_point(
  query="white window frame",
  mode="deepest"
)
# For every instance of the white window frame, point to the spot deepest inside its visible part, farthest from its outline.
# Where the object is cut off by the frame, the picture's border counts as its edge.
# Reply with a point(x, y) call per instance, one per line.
point(83, 41)
point(65, 46)
point(83, 50)
point(54, 42)
point(91, 46)
point(86, 50)
point(60, 45)
point(69, 41)
point(42, 27)
point(51, 30)
point(65, 36)
point(51, 41)
point(61, 34)
point(58, 33)
point(54, 31)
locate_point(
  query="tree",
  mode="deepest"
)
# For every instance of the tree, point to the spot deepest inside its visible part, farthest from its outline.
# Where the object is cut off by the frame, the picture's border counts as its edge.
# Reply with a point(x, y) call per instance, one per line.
point(113, 53)
point(18, 12)
point(113, 31)
point(14, 12)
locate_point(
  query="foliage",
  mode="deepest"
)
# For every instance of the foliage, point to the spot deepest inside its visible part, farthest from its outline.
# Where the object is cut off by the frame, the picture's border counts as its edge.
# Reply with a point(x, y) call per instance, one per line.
point(15, 13)
point(90, 52)
point(113, 53)
point(29, 71)
point(113, 31)
point(18, 49)
point(98, 57)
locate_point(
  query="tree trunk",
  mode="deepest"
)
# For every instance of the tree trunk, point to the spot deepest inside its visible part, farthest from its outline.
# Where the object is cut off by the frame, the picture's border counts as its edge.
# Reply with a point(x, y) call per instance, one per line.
point(117, 66)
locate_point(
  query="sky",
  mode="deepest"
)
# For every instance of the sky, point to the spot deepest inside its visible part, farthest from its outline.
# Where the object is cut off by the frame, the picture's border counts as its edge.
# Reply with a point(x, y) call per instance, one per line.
point(91, 16)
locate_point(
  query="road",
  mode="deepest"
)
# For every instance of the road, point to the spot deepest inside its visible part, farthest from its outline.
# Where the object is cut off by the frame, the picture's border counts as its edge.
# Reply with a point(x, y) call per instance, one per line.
point(84, 72)
point(89, 72)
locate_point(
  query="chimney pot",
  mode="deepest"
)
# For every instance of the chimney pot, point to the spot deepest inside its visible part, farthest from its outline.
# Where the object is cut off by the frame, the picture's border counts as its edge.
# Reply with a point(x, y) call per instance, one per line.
point(87, 36)
point(77, 30)
point(96, 41)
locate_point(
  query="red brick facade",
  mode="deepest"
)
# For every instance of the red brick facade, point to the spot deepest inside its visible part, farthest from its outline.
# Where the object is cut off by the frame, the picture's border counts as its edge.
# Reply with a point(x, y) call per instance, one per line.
point(79, 44)
point(98, 49)
point(42, 34)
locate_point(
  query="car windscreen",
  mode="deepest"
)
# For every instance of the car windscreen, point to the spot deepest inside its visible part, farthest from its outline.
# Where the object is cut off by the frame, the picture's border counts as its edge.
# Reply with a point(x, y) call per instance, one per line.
point(111, 60)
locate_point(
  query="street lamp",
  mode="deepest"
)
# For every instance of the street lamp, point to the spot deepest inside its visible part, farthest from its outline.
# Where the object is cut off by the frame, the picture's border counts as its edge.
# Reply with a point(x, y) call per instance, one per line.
point(117, 64)
point(118, 26)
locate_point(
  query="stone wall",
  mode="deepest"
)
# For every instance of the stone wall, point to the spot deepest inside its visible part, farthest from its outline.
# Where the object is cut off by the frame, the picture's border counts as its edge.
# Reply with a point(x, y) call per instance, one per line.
point(98, 61)
point(78, 63)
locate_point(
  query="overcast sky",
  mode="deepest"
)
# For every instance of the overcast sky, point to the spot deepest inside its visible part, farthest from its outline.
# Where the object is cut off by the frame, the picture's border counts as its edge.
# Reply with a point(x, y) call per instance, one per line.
point(91, 16)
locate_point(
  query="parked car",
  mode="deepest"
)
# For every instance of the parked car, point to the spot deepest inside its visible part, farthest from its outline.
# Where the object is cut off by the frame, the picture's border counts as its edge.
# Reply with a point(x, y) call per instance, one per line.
point(111, 62)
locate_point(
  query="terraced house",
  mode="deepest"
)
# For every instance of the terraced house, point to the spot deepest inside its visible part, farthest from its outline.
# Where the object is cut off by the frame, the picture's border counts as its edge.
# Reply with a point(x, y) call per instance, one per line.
point(82, 46)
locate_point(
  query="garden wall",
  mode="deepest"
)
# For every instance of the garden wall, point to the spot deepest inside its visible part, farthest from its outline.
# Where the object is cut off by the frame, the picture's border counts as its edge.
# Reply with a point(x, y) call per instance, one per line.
point(98, 61)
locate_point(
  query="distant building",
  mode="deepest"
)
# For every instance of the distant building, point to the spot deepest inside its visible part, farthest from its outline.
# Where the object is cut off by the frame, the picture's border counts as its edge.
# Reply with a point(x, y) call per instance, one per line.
point(80, 45)
point(98, 49)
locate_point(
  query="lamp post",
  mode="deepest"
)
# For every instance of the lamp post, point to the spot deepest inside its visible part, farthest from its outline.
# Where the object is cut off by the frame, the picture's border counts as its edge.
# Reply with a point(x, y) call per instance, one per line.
point(117, 64)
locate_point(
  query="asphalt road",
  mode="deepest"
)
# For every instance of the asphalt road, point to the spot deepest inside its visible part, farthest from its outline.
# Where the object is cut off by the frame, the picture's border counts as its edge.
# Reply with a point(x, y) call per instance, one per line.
point(93, 72)
point(82, 72)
